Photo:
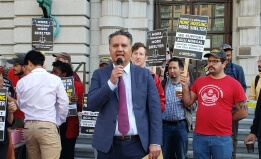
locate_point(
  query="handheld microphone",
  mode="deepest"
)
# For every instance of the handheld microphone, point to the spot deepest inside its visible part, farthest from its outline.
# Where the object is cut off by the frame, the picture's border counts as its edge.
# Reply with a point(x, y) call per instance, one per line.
point(119, 61)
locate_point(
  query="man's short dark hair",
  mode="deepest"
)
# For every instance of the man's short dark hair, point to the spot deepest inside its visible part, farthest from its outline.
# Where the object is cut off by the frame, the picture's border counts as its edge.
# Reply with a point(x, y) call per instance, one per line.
point(121, 32)
point(35, 57)
point(64, 67)
point(181, 65)
point(137, 45)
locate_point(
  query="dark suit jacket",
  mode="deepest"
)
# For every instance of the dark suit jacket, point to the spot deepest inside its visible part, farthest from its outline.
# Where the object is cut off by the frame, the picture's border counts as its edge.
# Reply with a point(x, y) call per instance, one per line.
point(146, 107)
point(256, 126)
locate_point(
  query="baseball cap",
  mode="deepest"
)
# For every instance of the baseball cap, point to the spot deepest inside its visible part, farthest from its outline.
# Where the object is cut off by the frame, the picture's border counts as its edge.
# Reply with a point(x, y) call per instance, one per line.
point(105, 60)
point(226, 47)
point(63, 55)
point(18, 58)
point(218, 53)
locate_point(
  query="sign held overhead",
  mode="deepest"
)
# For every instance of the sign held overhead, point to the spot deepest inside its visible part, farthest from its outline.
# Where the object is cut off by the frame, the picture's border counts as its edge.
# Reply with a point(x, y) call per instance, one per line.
point(191, 36)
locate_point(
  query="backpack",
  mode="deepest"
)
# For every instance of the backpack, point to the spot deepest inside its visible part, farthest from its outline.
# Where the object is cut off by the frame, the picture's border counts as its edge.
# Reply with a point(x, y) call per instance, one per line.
point(256, 80)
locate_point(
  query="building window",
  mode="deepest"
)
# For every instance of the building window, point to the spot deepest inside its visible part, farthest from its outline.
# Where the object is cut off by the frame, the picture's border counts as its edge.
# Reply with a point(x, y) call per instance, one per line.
point(219, 25)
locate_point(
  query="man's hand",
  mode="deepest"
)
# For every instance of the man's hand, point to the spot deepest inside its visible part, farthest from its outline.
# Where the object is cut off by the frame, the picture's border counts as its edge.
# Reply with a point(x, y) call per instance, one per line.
point(250, 137)
point(116, 73)
point(74, 98)
point(154, 151)
point(11, 107)
point(184, 79)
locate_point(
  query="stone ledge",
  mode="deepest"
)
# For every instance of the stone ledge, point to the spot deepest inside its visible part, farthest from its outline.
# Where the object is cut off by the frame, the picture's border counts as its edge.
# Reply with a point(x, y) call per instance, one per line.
point(111, 21)
point(246, 22)
point(136, 23)
point(63, 20)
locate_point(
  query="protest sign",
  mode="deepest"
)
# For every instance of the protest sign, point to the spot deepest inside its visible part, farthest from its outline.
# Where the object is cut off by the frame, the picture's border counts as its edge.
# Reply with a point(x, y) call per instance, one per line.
point(190, 36)
point(88, 118)
point(42, 34)
point(156, 47)
point(68, 84)
point(3, 107)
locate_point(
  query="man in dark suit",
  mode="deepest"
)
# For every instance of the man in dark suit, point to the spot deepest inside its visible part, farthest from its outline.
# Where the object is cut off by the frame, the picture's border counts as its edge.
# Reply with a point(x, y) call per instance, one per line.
point(144, 133)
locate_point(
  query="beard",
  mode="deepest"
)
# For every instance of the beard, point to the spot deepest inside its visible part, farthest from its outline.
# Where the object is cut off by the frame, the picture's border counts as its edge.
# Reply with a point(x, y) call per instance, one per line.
point(259, 68)
point(20, 73)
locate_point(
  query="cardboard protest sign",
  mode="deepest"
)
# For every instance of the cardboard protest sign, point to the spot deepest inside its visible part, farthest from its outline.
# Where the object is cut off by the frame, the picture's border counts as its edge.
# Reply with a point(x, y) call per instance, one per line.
point(190, 36)
point(68, 84)
point(88, 118)
point(157, 47)
point(3, 107)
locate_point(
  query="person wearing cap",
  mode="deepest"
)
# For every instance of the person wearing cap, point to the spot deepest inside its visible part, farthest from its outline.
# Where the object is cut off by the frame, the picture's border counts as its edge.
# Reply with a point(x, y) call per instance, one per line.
point(105, 61)
point(19, 70)
point(237, 73)
point(216, 93)
point(65, 57)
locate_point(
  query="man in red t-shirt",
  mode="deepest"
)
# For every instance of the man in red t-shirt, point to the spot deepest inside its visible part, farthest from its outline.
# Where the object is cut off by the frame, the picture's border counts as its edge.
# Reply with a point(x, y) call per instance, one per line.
point(18, 71)
point(216, 95)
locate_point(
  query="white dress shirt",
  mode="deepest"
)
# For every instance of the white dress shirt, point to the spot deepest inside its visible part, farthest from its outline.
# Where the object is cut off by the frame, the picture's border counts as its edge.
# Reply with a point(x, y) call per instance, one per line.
point(41, 96)
point(127, 82)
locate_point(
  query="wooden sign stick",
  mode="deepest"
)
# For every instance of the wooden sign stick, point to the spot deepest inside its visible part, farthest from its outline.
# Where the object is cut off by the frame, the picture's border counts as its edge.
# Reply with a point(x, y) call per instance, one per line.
point(186, 66)
point(154, 69)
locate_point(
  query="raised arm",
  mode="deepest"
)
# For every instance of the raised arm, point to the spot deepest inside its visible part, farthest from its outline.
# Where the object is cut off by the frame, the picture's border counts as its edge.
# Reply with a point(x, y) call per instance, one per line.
point(188, 96)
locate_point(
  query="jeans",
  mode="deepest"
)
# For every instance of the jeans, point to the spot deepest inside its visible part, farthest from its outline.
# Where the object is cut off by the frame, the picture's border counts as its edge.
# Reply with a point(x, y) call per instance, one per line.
point(219, 147)
point(175, 140)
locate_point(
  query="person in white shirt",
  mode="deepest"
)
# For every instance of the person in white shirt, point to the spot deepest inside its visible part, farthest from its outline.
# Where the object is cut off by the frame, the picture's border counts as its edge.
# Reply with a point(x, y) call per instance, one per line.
point(42, 98)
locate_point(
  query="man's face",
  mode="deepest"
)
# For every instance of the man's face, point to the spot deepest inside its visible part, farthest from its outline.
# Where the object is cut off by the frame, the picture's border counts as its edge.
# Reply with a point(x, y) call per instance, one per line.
point(18, 69)
point(138, 57)
point(215, 66)
point(56, 71)
point(174, 69)
point(259, 64)
point(120, 47)
point(229, 55)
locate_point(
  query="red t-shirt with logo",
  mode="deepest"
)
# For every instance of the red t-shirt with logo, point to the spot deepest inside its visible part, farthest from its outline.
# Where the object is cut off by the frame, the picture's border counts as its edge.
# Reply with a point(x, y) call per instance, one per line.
point(216, 98)
point(15, 78)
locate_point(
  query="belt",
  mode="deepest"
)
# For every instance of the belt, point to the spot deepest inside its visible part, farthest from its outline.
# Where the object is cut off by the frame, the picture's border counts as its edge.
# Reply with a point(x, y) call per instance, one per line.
point(126, 138)
point(176, 122)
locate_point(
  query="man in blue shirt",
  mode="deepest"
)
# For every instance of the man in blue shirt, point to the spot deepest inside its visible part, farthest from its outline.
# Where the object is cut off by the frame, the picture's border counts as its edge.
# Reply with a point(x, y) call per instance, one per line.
point(236, 72)
point(176, 118)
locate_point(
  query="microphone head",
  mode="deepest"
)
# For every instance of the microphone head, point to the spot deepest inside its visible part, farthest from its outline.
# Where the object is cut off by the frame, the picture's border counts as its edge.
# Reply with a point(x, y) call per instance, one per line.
point(119, 61)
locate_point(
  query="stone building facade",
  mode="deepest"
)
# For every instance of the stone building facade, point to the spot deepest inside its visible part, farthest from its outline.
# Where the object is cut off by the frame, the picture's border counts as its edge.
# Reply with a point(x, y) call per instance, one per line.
point(85, 26)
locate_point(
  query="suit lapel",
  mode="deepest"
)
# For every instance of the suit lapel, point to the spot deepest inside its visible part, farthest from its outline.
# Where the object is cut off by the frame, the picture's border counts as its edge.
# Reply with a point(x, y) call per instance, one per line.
point(133, 81)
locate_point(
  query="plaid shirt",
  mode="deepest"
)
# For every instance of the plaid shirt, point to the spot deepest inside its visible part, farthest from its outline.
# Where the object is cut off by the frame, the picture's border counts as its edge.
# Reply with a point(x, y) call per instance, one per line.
point(174, 106)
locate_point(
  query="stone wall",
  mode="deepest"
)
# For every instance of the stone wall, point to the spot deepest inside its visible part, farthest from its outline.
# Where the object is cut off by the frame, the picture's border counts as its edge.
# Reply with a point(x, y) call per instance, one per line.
point(247, 36)
point(73, 38)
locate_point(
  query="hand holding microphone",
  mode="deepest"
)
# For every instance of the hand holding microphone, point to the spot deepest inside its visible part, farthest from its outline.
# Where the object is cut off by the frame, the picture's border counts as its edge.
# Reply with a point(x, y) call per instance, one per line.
point(117, 72)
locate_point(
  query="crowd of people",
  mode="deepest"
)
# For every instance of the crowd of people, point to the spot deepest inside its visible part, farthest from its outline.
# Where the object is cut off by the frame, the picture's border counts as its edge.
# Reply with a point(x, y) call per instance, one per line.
point(140, 112)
